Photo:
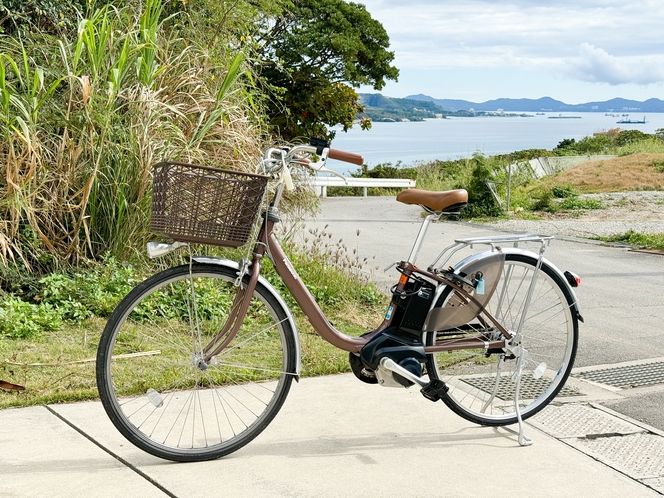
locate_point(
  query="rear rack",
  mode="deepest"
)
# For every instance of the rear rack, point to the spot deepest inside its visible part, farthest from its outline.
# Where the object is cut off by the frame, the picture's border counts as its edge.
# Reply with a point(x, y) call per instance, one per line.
point(493, 242)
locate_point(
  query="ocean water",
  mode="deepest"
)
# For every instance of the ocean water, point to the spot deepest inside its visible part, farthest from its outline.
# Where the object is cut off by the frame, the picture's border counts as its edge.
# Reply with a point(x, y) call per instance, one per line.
point(453, 138)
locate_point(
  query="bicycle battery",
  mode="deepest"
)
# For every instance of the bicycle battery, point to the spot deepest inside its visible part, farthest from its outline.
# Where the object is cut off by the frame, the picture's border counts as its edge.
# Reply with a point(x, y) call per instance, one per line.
point(413, 304)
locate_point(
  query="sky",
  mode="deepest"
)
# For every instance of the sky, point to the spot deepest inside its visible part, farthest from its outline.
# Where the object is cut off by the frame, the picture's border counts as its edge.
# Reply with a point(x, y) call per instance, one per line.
point(571, 50)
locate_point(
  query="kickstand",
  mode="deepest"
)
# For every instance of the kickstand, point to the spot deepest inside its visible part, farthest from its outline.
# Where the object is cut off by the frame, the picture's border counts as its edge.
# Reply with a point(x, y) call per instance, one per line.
point(523, 439)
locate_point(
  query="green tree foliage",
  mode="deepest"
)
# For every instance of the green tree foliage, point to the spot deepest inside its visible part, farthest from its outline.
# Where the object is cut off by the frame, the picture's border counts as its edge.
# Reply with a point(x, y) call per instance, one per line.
point(46, 16)
point(314, 53)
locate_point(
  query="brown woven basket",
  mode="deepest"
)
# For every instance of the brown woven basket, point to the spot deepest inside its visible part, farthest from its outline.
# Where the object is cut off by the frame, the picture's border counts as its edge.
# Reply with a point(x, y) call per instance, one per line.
point(205, 205)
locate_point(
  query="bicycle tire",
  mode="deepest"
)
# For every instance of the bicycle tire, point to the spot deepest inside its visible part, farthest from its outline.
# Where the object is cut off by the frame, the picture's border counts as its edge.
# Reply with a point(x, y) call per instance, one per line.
point(149, 374)
point(481, 387)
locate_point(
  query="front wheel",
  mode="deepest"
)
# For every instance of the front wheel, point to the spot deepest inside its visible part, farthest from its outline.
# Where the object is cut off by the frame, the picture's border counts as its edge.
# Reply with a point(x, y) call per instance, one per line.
point(482, 383)
point(154, 385)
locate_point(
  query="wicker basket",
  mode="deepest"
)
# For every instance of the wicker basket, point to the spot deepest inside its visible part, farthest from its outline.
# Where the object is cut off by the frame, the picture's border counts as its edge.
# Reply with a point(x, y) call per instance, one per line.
point(200, 204)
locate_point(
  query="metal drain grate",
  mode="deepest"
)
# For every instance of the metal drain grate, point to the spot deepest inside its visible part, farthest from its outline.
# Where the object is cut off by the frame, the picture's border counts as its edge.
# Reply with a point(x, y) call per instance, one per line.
point(531, 388)
point(644, 374)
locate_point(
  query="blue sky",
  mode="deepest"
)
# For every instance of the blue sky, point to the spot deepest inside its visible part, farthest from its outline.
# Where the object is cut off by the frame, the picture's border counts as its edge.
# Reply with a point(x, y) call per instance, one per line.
point(574, 51)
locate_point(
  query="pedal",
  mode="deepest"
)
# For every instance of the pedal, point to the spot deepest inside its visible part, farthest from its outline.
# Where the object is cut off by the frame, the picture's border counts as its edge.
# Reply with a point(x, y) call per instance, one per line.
point(434, 390)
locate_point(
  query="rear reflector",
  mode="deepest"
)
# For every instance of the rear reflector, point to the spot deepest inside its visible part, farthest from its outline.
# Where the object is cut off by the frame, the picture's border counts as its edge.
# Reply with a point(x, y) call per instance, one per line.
point(573, 279)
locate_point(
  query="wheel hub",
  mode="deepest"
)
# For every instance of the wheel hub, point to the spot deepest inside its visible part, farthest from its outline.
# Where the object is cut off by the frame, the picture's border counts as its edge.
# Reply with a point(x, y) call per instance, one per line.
point(199, 362)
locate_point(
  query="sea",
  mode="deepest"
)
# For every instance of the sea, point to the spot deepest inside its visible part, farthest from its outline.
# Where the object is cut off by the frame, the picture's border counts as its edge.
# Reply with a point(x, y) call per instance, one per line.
point(413, 142)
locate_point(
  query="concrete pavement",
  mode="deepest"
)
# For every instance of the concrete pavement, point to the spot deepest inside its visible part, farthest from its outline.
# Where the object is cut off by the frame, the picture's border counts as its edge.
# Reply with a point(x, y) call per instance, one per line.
point(336, 436)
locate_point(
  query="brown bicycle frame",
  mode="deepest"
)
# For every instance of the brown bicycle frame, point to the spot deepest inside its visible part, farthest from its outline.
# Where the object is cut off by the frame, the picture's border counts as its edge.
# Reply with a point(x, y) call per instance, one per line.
point(267, 242)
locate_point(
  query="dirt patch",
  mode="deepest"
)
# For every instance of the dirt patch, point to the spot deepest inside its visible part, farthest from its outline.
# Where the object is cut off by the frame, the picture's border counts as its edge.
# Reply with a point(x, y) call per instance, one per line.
point(626, 173)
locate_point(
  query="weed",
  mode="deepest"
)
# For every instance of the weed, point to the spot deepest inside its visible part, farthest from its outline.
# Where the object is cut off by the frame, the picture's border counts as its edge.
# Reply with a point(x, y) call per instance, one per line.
point(644, 240)
point(564, 191)
point(575, 203)
point(85, 116)
point(658, 165)
point(19, 319)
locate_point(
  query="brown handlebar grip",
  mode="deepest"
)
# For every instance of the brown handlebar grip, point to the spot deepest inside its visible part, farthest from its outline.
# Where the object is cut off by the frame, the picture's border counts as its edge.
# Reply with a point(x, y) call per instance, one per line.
point(348, 157)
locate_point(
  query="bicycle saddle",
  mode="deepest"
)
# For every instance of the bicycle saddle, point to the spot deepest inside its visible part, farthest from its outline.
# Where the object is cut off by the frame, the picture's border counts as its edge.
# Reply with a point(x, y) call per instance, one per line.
point(445, 202)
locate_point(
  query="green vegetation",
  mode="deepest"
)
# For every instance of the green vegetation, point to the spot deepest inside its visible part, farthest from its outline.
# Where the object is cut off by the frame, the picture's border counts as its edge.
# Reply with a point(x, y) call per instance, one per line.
point(380, 108)
point(613, 141)
point(85, 116)
point(643, 240)
point(48, 344)
point(93, 94)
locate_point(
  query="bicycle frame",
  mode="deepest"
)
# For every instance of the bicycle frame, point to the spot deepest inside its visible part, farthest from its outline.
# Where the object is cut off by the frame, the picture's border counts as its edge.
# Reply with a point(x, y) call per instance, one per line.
point(268, 243)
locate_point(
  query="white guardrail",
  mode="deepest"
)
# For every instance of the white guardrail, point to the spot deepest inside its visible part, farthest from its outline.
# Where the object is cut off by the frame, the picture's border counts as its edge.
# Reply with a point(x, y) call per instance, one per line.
point(323, 182)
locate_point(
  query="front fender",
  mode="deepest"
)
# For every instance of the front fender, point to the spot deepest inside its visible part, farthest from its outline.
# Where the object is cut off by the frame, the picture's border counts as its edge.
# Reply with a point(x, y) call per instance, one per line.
point(268, 286)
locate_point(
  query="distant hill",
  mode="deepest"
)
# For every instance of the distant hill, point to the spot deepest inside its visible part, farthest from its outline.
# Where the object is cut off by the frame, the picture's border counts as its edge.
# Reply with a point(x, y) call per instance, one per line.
point(545, 104)
point(381, 108)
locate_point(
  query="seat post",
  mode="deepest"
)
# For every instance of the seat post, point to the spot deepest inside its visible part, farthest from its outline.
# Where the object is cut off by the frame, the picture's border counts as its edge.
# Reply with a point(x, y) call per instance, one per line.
point(420, 237)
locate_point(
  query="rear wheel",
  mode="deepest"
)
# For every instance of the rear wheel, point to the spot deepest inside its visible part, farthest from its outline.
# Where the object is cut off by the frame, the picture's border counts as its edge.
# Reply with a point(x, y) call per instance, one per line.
point(154, 385)
point(482, 384)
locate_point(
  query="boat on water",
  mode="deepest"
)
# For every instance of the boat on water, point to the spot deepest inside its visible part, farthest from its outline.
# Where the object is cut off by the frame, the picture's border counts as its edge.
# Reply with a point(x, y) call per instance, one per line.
point(626, 120)
point(560, 116)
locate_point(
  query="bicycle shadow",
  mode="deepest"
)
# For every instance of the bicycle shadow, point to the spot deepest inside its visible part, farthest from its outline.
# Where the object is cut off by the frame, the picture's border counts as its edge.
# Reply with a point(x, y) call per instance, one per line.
point(360, 445)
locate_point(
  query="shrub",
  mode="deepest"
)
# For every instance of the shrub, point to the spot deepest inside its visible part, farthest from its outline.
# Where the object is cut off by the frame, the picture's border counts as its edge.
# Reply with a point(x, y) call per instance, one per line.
point(625, 137)
point(95, 291)
point(543, 200)
point(481, 200)
point(20, 319)
point(574, 203)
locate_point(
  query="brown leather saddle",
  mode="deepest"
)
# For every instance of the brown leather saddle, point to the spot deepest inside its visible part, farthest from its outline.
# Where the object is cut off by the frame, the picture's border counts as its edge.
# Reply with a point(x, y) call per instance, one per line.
point(446, 202)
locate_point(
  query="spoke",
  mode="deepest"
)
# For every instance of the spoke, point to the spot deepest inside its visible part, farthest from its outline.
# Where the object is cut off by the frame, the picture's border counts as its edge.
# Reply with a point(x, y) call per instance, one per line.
point(248, 339)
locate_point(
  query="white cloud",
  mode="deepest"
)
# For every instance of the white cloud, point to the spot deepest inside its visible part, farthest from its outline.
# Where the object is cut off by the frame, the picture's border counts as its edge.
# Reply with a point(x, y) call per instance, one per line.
point(598, 66)
point(516, 48)
point(448, 33)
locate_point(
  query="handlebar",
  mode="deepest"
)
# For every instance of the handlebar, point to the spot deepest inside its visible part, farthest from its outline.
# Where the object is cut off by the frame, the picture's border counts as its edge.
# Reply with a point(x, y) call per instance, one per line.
point(279, 161)
point(348, 157)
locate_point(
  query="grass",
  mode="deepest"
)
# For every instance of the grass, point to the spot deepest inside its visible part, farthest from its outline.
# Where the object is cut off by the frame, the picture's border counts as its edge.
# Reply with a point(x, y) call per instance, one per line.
point(85, 117)
point(638, 171)
point(54, 366)
point(57, 365)
point(643, 240)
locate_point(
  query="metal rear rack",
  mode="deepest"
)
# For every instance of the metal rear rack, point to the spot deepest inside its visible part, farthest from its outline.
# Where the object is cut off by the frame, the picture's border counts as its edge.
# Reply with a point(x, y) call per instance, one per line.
point(493, 242)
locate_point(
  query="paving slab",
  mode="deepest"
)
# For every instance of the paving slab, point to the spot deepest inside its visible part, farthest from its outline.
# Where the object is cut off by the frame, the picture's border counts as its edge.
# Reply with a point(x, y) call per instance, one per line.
point(40, 455)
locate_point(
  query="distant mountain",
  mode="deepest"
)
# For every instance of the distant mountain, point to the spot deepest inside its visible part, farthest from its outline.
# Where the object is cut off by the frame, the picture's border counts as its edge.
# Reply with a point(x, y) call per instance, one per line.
point(545, 104)
point(381, 108)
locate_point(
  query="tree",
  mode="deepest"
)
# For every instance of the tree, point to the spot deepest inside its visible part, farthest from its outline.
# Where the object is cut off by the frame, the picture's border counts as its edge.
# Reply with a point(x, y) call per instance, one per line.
point(312, 55)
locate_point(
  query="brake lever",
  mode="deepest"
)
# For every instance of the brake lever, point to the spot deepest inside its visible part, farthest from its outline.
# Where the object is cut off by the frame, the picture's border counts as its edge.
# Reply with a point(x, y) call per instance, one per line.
point(319, 166)
point(323, 169)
